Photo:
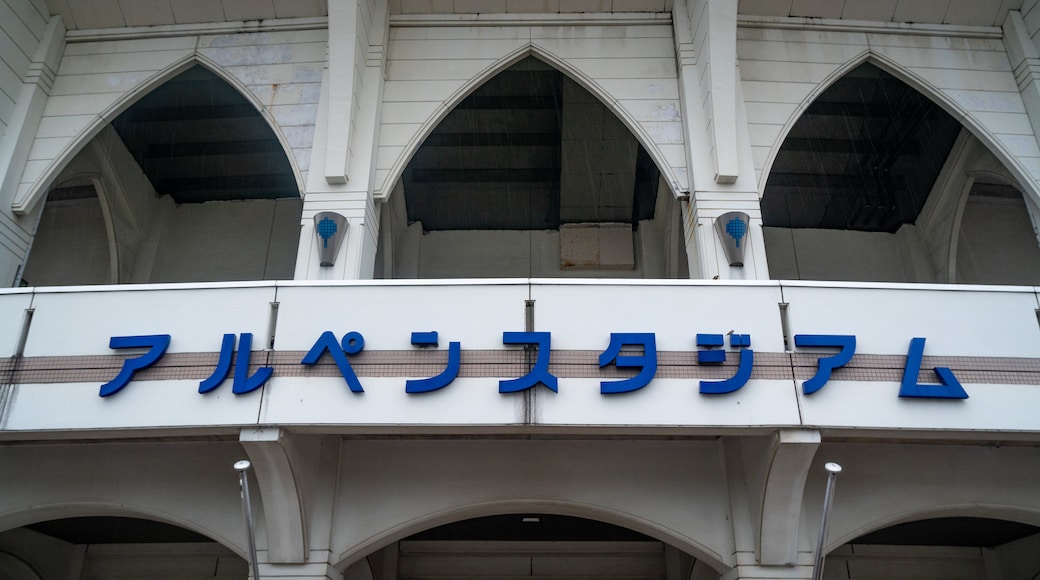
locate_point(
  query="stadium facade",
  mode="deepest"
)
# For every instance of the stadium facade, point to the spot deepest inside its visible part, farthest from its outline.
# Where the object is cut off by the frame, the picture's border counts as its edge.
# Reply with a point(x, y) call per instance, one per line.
point(519, 288)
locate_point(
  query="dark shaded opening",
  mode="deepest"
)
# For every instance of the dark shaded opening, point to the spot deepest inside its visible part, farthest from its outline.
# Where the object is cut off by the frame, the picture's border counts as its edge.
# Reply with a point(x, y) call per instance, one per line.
point(961, 531)
point(863, 156)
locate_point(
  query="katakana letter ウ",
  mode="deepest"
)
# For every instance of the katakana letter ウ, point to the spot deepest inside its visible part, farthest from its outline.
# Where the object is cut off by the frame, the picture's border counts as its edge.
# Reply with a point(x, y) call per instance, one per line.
point(156, 345)
point(646, 362)
point(242, 383)
point(747, 361)
point(448, 375)
point(949, 389)
point(540, 372)
point(352, 343)
point(826, 364)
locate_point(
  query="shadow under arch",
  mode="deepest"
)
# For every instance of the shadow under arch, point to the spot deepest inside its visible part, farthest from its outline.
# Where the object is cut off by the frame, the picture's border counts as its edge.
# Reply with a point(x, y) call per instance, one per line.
point(530, 50)
point(25, 203)
point(919, 84)
point(348, 556)
point(1011, 513)
point(47, 512)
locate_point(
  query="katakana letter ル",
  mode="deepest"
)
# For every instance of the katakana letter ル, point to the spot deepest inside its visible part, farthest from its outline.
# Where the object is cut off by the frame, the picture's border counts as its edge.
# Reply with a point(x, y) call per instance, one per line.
point(156, 345)
point(446, 376)
point(540, 372)
point(747, 361)
point(826, 364)
point(352, 343)
point(242, 382)
point(646, 362)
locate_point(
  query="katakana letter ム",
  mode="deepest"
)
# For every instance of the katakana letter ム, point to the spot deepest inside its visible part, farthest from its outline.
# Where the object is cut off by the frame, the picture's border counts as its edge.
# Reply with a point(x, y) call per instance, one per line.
point(156, 345)
point(540, 372)
point(747, 361)
point(352, 343)
point(646, 362)
point(242, 383)
point(949, 389)
point(450, 371)
point(826, 364)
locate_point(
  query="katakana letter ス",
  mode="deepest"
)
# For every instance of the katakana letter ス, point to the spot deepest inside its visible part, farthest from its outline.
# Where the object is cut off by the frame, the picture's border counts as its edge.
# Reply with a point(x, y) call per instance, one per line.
point(826, 364)
point(646, 362)
point(540, 372)
point(448, 375)
point(352, 343)
point(747, 361)
point(242, 382)
point(949, 389)
point(156, 345)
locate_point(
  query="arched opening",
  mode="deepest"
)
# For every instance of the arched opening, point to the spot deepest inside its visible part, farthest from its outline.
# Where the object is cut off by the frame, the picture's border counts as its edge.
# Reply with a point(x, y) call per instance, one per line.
point(117, 547)
point(865, 185)
point(534, 545)
point(531, 176)
point(193, 185)
point(997, 239)
point(963, 548)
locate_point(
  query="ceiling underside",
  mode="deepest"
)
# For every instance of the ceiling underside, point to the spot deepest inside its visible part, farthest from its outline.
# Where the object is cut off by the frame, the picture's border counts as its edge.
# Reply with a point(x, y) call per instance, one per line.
point(197, 139)
point(98, 14)
point(528, 150)
point(863, 156)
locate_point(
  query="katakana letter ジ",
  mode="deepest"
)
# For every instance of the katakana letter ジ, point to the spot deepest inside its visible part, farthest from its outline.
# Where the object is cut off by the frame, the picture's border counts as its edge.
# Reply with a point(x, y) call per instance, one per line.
point(448, 375)
point(242, 383)
point(540, 372)
point(949, 389)
point(352, 343)
point(646, 362)
point(826, 364)
point(156, 345)
point(747, 361)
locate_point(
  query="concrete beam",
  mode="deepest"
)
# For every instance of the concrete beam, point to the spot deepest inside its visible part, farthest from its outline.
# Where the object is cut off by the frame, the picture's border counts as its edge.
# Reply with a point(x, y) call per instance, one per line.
point(271, 450)
point(788, 460)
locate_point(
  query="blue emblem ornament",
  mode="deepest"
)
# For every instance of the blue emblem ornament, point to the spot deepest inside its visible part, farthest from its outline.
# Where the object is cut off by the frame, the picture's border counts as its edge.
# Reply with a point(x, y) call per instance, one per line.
point(737, 229)
point(326, 229)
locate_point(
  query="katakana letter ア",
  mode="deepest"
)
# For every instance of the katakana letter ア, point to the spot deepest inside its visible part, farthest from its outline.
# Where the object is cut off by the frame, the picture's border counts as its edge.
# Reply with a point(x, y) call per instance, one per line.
point(445, 377)
point(156, 345)
point(949, 389)
point(826, 364)
point(646, 362)
point(352, 343)
point(747, 361)
point(242, 383)
point(540, 372)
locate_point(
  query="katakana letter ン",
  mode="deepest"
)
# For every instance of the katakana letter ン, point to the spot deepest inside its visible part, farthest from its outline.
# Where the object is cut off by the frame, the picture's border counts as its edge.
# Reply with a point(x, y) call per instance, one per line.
point(156, 345)
point(242, 383)
point(826, 364)
point(949, 389)
point(646, 362)
point(352, 343)
point(747, 361)
point(444, 378)
point(540, 372)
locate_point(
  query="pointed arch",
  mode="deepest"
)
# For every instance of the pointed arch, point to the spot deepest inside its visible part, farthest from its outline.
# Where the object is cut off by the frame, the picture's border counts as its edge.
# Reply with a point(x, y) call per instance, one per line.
point(529, 50)
point(25, 201)
point(928, 90)
point(345, 556)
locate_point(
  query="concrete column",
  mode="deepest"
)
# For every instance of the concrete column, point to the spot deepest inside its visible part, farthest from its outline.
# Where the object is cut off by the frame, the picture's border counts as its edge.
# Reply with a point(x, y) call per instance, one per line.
point(719, 148)
point(344, 153)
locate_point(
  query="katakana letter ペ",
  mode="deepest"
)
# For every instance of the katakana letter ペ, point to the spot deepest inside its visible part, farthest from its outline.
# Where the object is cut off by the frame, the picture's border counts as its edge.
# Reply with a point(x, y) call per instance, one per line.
point(352, 343)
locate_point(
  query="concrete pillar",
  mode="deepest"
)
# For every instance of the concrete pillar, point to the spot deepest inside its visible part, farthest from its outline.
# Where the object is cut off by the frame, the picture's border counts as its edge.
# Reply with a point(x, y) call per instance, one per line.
point(344, 154)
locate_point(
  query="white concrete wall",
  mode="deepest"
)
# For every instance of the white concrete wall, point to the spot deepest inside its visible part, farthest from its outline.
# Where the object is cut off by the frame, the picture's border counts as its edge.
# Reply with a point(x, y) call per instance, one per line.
point(22, 26)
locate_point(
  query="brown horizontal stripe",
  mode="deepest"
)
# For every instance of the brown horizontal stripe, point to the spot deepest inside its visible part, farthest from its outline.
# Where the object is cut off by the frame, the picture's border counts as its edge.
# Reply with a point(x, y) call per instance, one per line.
point(505, 363)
